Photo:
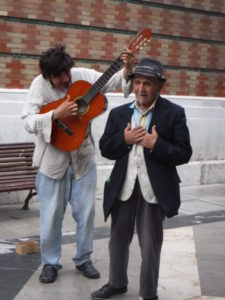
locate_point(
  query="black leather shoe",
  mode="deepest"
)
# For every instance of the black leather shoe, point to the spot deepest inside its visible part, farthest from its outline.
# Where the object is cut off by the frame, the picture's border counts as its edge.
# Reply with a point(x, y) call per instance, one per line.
point(107, 291)
point(88, 270)
point(48, 274)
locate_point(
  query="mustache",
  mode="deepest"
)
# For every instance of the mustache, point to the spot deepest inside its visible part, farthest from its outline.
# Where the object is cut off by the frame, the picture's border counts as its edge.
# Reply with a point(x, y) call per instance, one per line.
point(142, 94)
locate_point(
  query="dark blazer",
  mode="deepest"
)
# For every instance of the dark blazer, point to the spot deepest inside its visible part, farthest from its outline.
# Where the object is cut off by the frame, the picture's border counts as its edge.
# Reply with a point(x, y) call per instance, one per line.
point(172, 148)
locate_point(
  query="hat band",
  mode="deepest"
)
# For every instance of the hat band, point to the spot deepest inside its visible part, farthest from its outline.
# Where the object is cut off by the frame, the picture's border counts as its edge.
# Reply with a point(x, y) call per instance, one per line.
point(147, 70)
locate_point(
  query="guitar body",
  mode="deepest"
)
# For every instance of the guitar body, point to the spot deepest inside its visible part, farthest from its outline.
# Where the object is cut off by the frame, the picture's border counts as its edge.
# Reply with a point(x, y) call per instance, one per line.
point(78, 124)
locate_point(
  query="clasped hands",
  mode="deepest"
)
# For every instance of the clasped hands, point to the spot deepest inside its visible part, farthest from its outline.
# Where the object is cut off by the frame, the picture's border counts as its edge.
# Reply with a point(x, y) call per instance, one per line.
point(139, 135)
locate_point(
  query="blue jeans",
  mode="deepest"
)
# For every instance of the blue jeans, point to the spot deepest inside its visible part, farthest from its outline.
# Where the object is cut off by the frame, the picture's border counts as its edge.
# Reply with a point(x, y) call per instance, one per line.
point(54, 196)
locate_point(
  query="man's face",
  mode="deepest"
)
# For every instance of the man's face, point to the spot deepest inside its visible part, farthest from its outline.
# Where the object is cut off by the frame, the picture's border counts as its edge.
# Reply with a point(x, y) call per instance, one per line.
point(62, 81)
point(146, 89)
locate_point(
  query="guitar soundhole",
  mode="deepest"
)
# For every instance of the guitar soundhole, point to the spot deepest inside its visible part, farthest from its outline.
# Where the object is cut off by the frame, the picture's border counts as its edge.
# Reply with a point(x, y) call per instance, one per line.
point(82, 106)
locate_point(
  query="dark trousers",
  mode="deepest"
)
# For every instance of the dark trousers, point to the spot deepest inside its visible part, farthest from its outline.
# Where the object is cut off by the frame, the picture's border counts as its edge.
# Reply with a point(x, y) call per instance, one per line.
point(149, 224)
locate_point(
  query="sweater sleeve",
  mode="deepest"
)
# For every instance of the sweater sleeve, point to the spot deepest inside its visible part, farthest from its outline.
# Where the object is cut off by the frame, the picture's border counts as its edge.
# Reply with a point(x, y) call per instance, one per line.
point(34, 122)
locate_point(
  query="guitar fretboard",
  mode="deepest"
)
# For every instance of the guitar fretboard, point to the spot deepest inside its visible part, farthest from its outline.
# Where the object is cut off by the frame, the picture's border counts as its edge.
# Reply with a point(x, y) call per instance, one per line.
point(100, 83)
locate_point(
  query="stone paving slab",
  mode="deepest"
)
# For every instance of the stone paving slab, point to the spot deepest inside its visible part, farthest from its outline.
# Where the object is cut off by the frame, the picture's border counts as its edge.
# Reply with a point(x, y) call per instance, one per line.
point(193, 257)
point(178, 274)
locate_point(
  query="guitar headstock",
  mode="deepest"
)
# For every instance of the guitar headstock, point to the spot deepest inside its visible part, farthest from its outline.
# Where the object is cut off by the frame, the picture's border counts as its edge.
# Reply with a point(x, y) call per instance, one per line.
point(140, 40)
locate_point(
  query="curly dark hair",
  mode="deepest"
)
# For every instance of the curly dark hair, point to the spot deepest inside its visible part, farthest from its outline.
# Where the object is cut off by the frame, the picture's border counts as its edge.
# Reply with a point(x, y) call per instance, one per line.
point(55, 61)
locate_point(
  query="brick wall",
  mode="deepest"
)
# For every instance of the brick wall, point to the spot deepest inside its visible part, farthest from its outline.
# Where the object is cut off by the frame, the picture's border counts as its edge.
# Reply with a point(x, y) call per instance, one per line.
point(188, 37)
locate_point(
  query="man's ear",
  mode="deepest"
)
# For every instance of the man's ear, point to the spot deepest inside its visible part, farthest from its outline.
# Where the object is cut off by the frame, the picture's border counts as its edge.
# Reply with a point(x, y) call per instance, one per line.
point(161, 83)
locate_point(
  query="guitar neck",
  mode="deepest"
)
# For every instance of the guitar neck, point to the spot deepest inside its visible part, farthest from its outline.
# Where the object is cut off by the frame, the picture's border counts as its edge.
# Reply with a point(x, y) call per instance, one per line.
point(100, 83)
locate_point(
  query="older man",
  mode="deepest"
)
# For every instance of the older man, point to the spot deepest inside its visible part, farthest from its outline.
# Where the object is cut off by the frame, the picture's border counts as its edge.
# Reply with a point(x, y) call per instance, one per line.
point(148, 139)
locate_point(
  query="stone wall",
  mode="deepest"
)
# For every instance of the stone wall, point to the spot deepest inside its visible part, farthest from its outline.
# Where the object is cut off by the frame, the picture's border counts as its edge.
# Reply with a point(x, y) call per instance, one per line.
point(206, 121)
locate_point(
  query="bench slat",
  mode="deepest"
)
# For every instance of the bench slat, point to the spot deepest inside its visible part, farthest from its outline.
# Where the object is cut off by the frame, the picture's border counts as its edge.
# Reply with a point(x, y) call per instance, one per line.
point(17, 169)
point(17, 146)
point(16, 150)
point(15, 154)
point(18, 182)
point(17, 178)
point(14, 164)
point(27, 159)
point(19, 187)
point(19, 172)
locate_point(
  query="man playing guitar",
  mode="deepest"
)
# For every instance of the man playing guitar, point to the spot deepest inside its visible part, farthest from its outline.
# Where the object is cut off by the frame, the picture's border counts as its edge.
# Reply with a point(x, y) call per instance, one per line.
point(65, 176)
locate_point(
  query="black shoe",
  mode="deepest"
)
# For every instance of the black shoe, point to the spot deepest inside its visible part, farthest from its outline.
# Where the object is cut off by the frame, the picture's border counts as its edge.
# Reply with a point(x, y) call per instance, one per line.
point(88, 270)
point(48, 274)
point(153, 298)
point(107, 291)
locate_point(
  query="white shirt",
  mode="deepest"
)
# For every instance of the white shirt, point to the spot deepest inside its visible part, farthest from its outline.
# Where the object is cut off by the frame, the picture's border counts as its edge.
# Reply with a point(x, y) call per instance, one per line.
point(136, 167)
point(52, 161)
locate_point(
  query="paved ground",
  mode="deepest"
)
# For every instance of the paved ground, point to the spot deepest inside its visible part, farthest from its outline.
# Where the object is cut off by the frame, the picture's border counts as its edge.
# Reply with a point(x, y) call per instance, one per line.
point(192, 261)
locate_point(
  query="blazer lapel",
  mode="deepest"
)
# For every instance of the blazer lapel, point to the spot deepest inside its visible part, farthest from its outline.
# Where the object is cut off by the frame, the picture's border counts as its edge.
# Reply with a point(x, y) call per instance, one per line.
point(157, 115)
point(126, 116)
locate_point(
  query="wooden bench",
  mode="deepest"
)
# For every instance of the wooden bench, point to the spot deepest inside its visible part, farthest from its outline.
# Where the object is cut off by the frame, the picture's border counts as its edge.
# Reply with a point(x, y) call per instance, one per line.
point(16, 171)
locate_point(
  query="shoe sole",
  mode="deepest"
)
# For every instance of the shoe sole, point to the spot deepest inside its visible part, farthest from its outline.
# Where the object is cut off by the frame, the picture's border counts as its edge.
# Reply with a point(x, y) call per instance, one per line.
point(91, 277)
point(47, 281)
point(98, 298)
point(96, 276)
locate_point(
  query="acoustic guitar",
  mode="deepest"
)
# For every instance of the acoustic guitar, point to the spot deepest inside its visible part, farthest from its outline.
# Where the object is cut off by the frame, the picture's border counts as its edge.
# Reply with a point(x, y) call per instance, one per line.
point(69, 133)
